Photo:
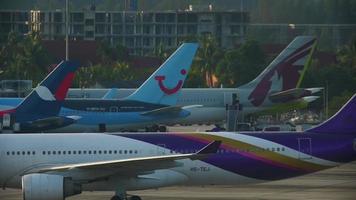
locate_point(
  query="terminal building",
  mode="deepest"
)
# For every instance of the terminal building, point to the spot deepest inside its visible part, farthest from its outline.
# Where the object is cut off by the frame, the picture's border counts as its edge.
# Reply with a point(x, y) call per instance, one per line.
point(140, 31)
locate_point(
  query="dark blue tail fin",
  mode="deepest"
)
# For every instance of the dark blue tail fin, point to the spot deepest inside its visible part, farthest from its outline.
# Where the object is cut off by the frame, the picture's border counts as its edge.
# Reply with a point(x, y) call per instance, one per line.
point(46, 99)
point(344, 121)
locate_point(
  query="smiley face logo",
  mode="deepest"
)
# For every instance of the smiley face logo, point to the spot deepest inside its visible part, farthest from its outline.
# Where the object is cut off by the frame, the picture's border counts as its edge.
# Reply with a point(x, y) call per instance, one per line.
point(173, 90)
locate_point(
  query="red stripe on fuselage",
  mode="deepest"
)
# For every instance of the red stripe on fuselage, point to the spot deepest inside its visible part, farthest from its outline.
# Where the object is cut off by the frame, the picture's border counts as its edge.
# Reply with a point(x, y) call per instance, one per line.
point(3, 112)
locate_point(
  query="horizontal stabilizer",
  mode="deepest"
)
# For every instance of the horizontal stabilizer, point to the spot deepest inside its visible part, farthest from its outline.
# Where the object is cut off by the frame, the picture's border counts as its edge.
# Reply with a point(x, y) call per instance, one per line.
point(111, 94)
point(169, 110)
point(192, 106)
point(315, 90)
point(310, 99)
point(47, 123)
point(292, 94)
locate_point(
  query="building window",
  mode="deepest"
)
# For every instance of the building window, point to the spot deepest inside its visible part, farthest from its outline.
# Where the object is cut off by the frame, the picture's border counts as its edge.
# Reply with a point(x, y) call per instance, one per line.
point(117, 17)
point(89, 22)
point(58, 17)
point(117, 29)
point(100, 29)
point(129, 29)
point(77, 17)
point(99, 17)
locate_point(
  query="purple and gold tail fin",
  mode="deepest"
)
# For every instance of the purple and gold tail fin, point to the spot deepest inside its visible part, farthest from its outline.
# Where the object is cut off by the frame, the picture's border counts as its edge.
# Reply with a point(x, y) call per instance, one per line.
point(47, 98)
point(285, 72)
point(344, 121)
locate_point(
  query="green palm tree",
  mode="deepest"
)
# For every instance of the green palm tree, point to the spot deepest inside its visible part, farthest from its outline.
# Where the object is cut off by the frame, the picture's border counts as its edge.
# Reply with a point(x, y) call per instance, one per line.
point(208, 57)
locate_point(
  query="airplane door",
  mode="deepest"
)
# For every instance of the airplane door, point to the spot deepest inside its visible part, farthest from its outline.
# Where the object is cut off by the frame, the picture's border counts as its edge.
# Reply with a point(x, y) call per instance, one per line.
point(229, 98)
point(305, 148)
point(114, 109)
point(6, 120)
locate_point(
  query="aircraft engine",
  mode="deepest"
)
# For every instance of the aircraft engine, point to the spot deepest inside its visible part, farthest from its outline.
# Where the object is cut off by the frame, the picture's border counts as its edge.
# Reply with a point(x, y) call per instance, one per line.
point(48, 187)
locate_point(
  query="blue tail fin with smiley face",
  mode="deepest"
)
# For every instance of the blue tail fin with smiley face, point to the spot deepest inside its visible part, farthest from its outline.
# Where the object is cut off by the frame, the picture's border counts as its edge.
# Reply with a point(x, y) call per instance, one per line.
point(164, 85)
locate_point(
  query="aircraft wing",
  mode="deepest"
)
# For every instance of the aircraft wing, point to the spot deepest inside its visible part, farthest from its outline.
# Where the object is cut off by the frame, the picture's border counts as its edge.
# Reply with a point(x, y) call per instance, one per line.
point(292, 94)
point(172, 110)
point(133, 165)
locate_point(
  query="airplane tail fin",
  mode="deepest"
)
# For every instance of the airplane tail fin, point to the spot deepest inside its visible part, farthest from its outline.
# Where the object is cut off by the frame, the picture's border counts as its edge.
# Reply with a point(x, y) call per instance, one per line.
point(285, 72)
point(344, 121)
point(47, 98)
point(163, 86)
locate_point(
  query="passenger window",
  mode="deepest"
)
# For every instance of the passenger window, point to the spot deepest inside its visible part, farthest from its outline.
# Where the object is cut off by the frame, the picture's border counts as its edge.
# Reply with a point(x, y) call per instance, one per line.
point(33, 152)
point(84, 152)
point(54, 152)
point(79, 152)
point(29, 153)
point(23, 153)
point(110, 152)
point(7, 153)
point(59, 152)
point(69, 152)
point(115, 152)
point(74, 152)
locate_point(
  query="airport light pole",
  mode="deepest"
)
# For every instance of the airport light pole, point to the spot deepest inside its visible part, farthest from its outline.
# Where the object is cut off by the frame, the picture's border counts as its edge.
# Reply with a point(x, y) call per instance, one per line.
point(67, 28)
point(242, 22)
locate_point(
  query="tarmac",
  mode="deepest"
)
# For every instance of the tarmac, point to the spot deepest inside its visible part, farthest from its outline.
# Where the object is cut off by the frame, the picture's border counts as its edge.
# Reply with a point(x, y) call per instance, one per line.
point(334, 184)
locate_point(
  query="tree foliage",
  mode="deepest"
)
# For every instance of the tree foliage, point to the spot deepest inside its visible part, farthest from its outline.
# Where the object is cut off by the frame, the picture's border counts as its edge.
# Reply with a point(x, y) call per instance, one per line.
point(24, 58)
point(347, 55)
point(114, 67)
point(241, 65)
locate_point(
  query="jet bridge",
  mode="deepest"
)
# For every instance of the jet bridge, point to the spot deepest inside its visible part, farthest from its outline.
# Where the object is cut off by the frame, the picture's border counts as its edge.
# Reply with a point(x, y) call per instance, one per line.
point(232, 111)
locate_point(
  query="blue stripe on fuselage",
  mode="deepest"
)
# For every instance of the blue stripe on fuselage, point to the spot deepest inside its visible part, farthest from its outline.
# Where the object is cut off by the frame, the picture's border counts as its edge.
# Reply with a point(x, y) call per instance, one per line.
point(101, 105)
